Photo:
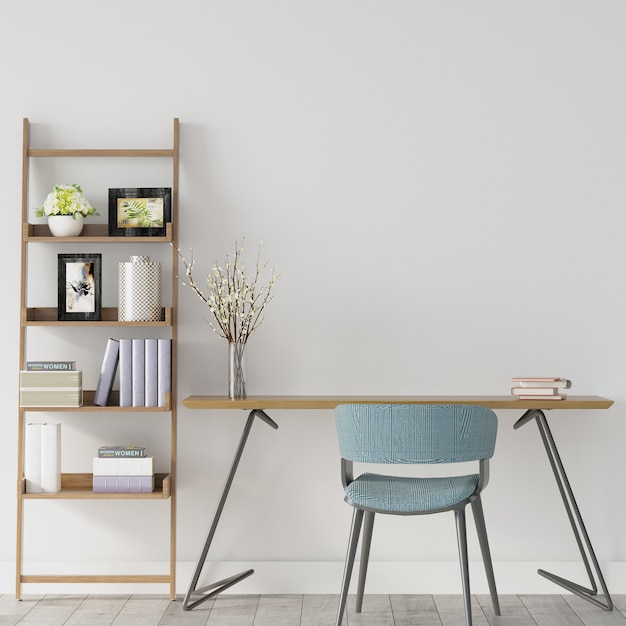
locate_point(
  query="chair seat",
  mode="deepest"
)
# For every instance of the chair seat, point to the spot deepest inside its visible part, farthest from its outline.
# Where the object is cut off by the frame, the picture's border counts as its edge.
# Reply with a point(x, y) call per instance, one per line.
point(401, 494)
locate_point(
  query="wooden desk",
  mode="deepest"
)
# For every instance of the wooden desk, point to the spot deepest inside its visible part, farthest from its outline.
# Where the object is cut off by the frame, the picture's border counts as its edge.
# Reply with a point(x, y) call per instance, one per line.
point(533, 410)
point(330, 402)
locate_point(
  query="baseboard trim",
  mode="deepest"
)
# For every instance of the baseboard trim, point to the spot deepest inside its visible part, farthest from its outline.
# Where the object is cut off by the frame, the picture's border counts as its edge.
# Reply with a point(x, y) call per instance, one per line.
point(318, 577)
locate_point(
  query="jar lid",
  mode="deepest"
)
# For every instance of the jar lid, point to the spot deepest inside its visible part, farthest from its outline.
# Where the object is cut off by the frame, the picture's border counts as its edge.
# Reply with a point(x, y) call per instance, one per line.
point(140, 259)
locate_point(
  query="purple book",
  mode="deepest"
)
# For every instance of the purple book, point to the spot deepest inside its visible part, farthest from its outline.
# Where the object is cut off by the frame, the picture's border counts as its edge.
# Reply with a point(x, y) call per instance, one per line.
point(138, 372)
point(126, 376)
point(123, 484)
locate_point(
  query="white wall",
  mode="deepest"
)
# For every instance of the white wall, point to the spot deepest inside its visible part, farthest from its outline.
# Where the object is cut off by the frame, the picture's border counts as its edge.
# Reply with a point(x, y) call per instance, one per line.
point(441, 186)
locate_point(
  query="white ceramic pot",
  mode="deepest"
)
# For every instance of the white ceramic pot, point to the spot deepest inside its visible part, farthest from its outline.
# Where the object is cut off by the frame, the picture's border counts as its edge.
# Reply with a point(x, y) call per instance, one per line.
point(65, 225)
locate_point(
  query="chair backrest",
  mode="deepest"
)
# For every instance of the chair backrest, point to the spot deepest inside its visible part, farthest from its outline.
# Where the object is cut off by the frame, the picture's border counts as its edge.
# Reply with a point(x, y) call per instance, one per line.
point(415, 433)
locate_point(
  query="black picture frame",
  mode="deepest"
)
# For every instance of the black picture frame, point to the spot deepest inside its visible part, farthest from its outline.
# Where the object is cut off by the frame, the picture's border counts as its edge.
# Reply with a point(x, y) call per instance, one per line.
point(139, 211)
point(79, 287)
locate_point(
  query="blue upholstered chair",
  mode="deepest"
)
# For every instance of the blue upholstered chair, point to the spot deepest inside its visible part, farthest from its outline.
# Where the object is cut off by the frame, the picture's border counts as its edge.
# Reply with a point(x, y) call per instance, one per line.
point(414, 434)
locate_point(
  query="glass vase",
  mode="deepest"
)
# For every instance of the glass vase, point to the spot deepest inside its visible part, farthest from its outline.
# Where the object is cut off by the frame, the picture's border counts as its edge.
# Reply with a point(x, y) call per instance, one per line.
point(236, 370)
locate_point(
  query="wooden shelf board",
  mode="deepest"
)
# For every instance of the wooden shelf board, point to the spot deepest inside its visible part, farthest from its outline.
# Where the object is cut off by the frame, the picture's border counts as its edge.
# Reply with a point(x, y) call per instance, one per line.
point(80, 487)
point(112, 407)
point(92, 233)
point(89, 152)
point(95, 578)
point(48, 316)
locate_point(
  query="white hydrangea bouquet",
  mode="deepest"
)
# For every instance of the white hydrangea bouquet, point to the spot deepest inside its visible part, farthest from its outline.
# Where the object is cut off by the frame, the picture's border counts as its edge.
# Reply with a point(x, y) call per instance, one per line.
point(66, 200)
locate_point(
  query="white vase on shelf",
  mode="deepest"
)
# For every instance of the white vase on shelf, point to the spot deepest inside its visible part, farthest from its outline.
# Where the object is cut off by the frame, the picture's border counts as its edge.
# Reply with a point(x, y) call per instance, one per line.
point(65, 225)
point(139, 290)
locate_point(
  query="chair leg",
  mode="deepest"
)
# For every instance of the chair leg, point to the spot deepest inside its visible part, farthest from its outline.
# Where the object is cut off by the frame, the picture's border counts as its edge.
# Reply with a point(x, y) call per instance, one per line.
point(479, 519)
point(355, 530)
point(461, 535)
point(366, 542)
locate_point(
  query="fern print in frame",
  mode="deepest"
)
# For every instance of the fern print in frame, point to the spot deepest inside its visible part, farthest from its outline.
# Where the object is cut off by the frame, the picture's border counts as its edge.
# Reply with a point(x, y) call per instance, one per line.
point(139, 211)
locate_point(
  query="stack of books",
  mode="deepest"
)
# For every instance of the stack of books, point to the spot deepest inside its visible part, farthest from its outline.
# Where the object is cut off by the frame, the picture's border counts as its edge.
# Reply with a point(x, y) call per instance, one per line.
point(51, 387)
point(123, 469)
point(538, 388)
point(145, 372)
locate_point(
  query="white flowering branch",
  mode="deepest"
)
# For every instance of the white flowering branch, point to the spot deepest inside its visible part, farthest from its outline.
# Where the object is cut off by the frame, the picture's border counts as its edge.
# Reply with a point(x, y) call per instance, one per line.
point(235, 299)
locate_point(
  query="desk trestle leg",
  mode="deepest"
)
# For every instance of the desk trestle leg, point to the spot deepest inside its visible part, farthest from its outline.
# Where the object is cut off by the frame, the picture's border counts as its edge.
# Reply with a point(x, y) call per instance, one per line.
point(222, 585)
point(578, 527)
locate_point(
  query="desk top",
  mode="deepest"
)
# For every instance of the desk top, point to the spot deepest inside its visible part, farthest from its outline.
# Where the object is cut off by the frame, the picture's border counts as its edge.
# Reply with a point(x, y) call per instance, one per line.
point(330, 402)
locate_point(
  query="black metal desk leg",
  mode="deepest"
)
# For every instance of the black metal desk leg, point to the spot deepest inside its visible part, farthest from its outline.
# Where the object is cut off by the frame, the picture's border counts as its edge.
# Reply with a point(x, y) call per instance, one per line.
point(215, 588)
point(578, 527)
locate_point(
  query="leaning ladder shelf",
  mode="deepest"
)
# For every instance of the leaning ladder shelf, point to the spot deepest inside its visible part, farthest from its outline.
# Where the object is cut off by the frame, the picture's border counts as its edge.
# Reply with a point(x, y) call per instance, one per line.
point(79, 485)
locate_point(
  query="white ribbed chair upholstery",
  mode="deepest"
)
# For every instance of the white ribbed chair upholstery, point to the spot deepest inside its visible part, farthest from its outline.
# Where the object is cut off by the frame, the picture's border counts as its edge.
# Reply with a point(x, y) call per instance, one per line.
point(414, 434)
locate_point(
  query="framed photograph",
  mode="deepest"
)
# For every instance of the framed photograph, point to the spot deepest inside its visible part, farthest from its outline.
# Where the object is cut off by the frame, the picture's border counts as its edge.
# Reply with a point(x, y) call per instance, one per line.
point(139, 211)
point(80, 287)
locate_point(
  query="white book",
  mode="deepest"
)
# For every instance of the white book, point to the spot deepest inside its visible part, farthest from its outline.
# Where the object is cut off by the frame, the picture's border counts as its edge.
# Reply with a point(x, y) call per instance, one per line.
point(51, 380)
point(531, 396)
point(558, 383)
point(107, 372)
point(143, 466)
point(32, 458)
point(164, 369)
point(151, 372)
point(138, 369)
point(536, 391)
point(51, 458)
point(126, 376)
point(44, 397)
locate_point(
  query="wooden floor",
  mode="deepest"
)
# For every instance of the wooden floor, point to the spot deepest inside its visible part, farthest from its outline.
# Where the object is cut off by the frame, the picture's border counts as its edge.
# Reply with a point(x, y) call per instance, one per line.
point(308, 610)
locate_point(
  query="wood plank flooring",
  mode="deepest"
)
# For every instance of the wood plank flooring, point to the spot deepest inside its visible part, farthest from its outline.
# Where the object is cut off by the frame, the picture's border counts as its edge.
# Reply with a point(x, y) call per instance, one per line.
point(307, 610)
